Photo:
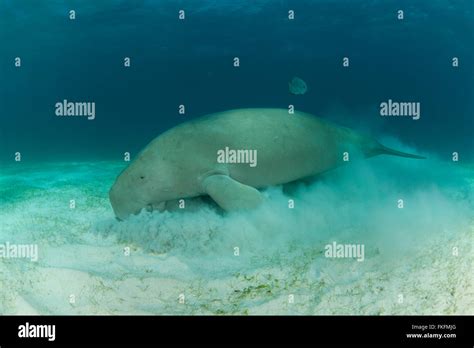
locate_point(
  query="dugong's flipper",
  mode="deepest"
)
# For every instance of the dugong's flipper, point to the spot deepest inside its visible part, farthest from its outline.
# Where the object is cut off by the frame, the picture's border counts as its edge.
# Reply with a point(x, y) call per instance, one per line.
point(230, 194)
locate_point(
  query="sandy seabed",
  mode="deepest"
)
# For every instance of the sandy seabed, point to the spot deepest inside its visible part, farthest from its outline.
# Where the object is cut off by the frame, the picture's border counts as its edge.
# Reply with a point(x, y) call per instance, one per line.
point(418, 260)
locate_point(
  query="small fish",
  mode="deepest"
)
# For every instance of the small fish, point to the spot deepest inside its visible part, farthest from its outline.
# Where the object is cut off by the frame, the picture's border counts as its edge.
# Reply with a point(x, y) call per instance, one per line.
point(297, 86)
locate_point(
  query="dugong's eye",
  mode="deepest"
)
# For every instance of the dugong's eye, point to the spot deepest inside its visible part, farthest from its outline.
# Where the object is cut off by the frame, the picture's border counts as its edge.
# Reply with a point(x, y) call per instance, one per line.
point(142, 177)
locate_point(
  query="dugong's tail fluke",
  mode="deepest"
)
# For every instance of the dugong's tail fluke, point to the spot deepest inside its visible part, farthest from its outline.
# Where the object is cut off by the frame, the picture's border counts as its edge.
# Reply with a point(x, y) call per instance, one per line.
point(388, 151)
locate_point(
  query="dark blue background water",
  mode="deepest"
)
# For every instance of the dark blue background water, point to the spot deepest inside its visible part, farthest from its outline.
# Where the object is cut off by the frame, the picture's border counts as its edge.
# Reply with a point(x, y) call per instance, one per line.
point(191, 62)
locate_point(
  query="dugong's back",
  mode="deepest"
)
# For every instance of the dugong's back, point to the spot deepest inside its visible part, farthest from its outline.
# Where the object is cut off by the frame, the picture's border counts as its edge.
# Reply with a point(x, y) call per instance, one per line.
point(288, 146)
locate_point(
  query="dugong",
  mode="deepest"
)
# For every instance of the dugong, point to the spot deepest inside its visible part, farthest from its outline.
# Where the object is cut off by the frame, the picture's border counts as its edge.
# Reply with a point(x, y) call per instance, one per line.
point(183, 161)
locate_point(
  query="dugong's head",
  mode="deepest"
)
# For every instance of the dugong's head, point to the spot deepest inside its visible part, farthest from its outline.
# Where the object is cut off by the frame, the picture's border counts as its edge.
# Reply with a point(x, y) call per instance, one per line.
point(145, 184)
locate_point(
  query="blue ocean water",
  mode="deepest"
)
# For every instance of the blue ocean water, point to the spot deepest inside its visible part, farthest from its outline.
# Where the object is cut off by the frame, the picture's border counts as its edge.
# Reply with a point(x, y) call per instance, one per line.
point(190, 62)
point(57, 196)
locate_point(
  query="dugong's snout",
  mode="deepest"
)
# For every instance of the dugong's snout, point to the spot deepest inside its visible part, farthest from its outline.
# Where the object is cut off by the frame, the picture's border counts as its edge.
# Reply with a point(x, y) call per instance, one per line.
point(122, 204)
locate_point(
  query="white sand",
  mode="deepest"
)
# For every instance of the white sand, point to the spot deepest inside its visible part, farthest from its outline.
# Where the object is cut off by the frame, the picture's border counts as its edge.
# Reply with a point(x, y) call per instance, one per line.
point(81, 251)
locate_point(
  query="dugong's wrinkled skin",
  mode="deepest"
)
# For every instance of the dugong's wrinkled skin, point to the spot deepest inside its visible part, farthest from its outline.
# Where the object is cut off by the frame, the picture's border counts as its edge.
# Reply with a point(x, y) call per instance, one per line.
point(182, 162)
